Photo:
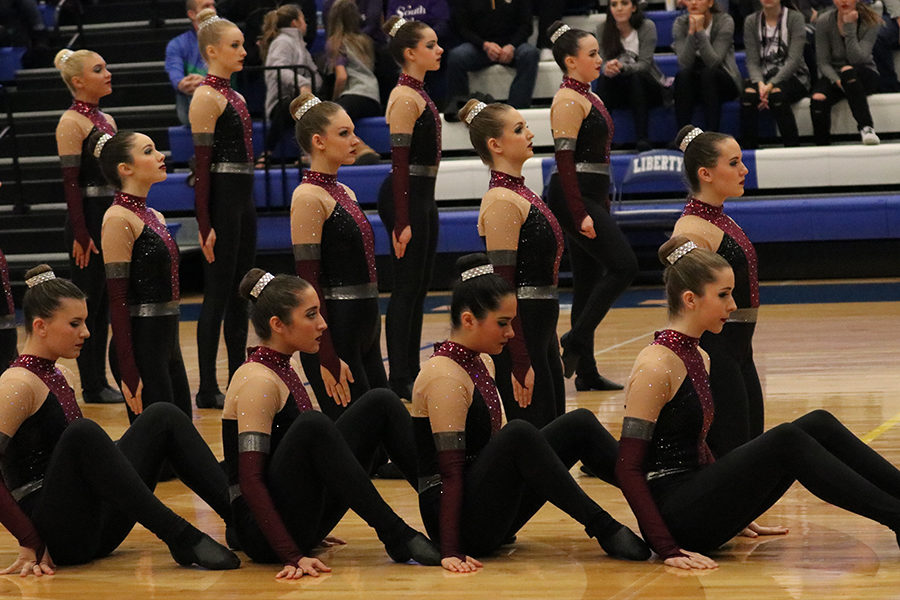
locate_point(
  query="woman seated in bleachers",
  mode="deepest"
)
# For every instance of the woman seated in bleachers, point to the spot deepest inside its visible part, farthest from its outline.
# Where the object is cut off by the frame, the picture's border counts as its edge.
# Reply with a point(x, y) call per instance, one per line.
point(630, 77)
point(707, 72)
point(774, 37)
point(844, 41)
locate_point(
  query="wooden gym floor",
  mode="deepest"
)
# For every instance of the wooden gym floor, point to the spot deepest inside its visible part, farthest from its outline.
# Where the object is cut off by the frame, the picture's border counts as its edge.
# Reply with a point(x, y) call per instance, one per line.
point(841, 356)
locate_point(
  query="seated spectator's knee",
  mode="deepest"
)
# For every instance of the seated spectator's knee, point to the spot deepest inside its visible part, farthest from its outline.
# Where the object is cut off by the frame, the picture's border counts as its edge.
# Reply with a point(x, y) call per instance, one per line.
point(750, 97)
point(818, 104)
point(526, 54)
point(848, 75)
point(777, 98)
point(817, 97)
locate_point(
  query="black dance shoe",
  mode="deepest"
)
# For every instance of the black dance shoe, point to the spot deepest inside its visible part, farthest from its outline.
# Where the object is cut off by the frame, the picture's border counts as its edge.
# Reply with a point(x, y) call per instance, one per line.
point(570, 355)
point(106, 395)
point(214, 399)
point(418, 548)
point(597, 382)
point(205, 552)
point(625, 544)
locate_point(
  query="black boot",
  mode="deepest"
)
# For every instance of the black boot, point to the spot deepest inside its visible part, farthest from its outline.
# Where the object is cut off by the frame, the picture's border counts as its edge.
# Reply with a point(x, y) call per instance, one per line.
point(595, 381)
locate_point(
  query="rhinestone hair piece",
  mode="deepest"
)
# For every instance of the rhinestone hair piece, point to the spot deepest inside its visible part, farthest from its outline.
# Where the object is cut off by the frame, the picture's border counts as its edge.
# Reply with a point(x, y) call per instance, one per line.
point(474, 112)
point(298, 114)
point(100, 143)
point(40, 278)
point(693, 133)
point(400, 23)
point(261, 284)
point(556, 34)
point(210, 21)
point(65, 57)
point(680, 251)
point(476, 272)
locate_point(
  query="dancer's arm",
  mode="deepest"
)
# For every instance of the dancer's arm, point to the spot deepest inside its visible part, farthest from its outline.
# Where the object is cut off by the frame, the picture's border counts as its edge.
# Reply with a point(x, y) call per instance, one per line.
point(70, 136)
point(566, 115)
point(206, 107)
point(403, 110)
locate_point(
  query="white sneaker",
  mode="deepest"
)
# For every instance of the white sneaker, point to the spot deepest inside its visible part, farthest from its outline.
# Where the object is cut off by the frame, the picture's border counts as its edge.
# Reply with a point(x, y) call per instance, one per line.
point(546, 54)
point(869, 137)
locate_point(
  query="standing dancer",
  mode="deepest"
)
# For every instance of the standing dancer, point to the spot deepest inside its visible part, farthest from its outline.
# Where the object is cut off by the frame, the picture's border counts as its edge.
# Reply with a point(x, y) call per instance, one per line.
point(223, 197)
point(406, 199)
point(525, 243)
point(334, 250)
point(70, 492)
point(293, 472)
point(8, 335)
point(480, 482)
point(603, 263)
point(142, 276)
point(87, 198)
point(715, 172)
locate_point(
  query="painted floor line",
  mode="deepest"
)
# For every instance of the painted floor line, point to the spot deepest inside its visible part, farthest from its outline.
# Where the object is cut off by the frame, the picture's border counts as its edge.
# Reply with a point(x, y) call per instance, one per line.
point(642, 336)
point(875, 433)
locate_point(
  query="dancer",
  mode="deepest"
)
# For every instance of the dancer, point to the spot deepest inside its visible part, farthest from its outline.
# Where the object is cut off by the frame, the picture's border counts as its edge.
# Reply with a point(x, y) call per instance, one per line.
point(715, 172)
point(603, 263)
point(87, 198)
point(844, 41)
point(406, 199)
point(293, 472)
point(68, 491)
point(525, 243)
point(223, 200)
point(142, 276)
point(480, 483)
point(685, 501)
point(334, 250)
point(775, 37)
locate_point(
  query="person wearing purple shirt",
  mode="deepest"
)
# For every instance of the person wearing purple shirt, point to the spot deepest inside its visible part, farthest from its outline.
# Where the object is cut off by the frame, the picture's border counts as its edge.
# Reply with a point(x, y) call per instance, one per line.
point(435, 13)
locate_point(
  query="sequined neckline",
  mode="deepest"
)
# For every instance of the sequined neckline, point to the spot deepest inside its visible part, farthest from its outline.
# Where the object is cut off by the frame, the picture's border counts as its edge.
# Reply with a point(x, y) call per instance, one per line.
point(501, 179)
point(708, 210)
point(47, 371)
point(280, 364)
point(410, 81)
point(471, 363)
point(270, 354)
point(217, 83)
point(682, 339)
point(574, 84)
point(319, 178)
point(135, 203)
point(92, 112)
point(84, 108)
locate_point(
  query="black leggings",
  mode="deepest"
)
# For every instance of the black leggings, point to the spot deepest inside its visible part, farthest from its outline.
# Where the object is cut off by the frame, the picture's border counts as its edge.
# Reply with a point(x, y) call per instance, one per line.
point(857, 84)
point(602, 268)
point(637, 91)
point(780, 103)
point(519, 470)
point(95, 490)
point(412, 276)
point(320, 469)
point(548, 400)
point(157, 352)
point(355, 327)
point(709, 87)
point(92, 281)
point(233, 216)
point(706, 508)
point(360, 107)
point(734, 382)
point(8, 347)
point(280, 121)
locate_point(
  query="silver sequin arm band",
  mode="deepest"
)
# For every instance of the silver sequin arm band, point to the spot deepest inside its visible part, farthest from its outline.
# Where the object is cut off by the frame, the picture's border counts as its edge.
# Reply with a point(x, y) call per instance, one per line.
point(254, 441)
point(401, 140)
point(503, 258)
point(450, 440)
point(70, 160)
point(640, 429)
point(560, 144)
point(118, 270)
point(307, 251)
point(203, 139)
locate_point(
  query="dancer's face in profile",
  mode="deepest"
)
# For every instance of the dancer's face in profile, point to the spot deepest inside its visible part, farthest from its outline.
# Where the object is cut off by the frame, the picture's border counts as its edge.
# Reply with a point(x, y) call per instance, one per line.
point(304, 332)
point(585, 65)
point(65, 331)
point(711, 308)
point(515, 143)
point(338, 141)
point(229, 53)
point(621, 10)
point(148, 164)
point(427, 52)
point(490, 334)
point(727, 176)
point(95, 78)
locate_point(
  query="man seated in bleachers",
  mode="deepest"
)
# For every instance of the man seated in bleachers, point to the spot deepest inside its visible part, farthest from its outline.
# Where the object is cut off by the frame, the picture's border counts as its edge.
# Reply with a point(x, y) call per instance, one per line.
point(185, 66)
point(493, 32)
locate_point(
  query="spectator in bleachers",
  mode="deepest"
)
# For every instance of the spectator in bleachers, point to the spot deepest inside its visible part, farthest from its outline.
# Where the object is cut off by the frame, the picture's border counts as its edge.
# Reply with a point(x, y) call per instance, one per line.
point(774, 37)
point(184, 64)
point(493, 33)
point(21, 24)
point(844, 41)
point(630, 77)
point(888, 40)
point(707, 72)
point(811, 9)
point(282, 45)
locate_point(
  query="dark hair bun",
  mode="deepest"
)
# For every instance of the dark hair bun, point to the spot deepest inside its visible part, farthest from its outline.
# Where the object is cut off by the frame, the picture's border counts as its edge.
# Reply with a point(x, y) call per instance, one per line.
point(470, 261)
point(679, 137)
point(553, 27)
point(35, 271)
point(250, 279)
point(666, 249)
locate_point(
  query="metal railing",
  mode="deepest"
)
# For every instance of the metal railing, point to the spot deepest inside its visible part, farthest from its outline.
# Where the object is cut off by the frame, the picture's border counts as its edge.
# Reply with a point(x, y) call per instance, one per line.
point(9, 132)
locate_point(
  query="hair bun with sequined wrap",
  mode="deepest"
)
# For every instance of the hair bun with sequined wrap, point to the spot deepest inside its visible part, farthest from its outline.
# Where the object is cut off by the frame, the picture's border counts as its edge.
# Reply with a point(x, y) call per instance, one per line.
point(689, 137)
point(39, 275)
point(558, 33)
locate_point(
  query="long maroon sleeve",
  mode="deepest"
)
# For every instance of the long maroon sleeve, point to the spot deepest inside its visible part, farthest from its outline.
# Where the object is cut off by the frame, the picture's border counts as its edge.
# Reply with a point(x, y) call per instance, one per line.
point(565, 165)
point(451, 464)
point(251, 477)
point(400, 183)
point(630, 475)
point(202, 164)
point(120, 318)
point(75, 205)
point(17, 522)
point(309, 270)
point(518, 349)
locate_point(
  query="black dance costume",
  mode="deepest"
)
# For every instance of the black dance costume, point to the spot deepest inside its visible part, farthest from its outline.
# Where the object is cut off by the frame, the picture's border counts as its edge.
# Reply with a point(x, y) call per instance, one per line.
point(291, 486)
point(479, 486)
point(144, 309)
point(682, 499)
point(8, 335)
point(342, 270)
point(88, 195)
point(603, 267)
point(406, 198)
point(533, 270)
point(66, 485)
point(733, 378)
point(223, 194)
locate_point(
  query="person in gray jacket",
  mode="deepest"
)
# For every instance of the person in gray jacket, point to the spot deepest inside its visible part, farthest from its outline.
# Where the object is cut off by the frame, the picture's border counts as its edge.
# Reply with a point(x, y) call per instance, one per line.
point(775, 37)
point(704, 42)
point(630, 77)
point(844, 41)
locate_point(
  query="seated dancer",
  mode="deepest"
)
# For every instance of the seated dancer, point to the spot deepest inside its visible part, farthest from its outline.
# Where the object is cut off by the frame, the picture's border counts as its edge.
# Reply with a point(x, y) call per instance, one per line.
point(480, 483)
point(70, 492)
point(685, 500)
point(293, 472)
